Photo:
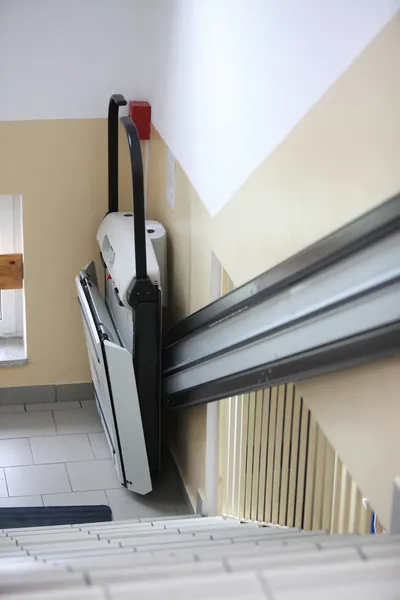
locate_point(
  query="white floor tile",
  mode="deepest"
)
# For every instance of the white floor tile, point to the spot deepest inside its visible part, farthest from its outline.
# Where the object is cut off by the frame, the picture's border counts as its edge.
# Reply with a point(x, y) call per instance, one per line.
point(12, 408)
point(93, 475)
point(61, 448)
point(3, 485)
point(21, 501)
point(101, 449)
point(37, 479)
point(126, 505)
point(76, 498)
point(53, 405)
point(26, 425)
point(77, 421)
point(15, 452)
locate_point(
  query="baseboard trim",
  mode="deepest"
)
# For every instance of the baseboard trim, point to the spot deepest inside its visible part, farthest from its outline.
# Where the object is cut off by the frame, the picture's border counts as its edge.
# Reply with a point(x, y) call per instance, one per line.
point(31, 394)
point(74, 391)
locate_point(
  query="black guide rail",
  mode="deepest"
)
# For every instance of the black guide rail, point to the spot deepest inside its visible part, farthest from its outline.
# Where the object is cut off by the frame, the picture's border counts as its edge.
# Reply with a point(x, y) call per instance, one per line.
point(116, 101)
point(350, 238)
point(351, 352)
point(223, 350)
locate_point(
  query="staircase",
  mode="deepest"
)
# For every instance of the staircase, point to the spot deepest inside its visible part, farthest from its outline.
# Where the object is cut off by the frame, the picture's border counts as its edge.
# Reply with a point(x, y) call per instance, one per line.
point(195, 557)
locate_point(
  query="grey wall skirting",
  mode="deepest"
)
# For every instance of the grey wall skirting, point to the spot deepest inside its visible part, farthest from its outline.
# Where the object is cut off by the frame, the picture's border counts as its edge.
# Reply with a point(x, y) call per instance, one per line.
point(188, 507)
point(46, 393)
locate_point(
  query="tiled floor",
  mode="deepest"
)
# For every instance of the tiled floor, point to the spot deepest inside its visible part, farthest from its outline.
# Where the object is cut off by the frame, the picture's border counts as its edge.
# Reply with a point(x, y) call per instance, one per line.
point(57, 454)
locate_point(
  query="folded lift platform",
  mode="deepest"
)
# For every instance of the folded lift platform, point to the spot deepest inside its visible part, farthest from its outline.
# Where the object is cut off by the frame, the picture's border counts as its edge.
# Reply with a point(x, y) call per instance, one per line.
point(333, 305)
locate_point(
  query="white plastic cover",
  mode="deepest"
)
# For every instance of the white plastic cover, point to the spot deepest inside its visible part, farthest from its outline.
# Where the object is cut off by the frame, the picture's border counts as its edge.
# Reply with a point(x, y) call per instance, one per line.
point(158, 237)
point(116, 240)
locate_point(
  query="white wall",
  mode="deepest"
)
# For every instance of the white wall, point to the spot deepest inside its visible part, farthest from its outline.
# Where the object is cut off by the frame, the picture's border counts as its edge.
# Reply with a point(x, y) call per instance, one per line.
point(229, 80)
point(62, 59)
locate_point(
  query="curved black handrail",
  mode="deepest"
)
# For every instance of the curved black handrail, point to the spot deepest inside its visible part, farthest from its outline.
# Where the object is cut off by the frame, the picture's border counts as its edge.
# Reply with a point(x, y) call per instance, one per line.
point(138, 196)
point(116, 101)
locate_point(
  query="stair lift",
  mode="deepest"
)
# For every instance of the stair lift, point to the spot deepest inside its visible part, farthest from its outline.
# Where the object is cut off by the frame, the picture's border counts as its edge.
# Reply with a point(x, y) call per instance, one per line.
point(333, 305)
point(123, 328)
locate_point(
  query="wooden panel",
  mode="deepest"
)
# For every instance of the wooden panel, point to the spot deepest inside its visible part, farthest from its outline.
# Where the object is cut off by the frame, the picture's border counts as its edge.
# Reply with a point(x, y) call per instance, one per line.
point(353, 514)
point(347, 509)
point(285, 460)
point(270, 456)
point(259, 404)
point(280, 415)
point(231, 436)
point(263, 455)
point(336, 495)
point(357, 510)
point(301, 464)
point(328, 494)
point(319, 479)
point(11, 271)
point(310, 475)
point(296, 424)
point(222, 455)
point(237, 454)
point(345, 493)
point(243, 454)
point(250, 455)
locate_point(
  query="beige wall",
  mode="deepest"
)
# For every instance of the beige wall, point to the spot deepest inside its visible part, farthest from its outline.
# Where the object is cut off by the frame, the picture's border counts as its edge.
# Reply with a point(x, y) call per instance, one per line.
point(60, 169)
point(342, 159)
point(188, 226)
point(339, 161)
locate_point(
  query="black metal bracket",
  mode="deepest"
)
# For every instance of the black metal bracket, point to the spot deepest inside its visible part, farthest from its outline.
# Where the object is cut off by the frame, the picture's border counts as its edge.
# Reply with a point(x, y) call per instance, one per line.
point(140, 291)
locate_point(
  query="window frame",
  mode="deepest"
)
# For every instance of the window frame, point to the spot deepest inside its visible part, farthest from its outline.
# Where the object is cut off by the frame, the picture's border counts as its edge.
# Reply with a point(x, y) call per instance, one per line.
point(8, 312)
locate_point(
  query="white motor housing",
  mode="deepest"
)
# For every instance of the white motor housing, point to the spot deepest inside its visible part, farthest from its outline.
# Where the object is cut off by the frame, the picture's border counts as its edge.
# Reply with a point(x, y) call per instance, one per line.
point(116, 240)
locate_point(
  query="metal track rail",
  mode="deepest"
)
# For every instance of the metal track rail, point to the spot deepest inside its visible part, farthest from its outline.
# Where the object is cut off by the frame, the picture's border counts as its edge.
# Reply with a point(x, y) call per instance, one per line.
point(333, 305)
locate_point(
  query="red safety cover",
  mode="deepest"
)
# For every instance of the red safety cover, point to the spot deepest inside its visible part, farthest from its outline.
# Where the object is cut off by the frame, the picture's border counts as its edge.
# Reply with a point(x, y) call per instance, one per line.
point(140, 113)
